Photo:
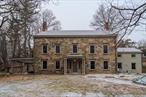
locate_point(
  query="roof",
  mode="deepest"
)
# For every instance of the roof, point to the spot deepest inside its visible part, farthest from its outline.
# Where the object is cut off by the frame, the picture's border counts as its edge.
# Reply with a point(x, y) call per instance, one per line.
point(74, 33)
point(128, 50)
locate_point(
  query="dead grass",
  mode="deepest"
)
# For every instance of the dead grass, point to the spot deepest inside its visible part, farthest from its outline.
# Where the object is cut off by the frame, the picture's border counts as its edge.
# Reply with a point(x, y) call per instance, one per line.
point(72, 83)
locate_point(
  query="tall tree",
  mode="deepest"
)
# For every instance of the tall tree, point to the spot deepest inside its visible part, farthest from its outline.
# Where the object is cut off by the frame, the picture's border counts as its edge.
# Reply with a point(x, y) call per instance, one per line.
point(136, 16)
point(107, 18)
point(49, 18)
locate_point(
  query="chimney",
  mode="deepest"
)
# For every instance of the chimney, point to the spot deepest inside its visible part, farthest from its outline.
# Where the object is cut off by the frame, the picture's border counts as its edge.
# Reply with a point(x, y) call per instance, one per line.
point(45, 28)
point(106, 26)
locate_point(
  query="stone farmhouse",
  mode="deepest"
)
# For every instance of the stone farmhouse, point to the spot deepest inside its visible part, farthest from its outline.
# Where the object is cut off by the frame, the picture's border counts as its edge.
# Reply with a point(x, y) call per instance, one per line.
point(75, 52)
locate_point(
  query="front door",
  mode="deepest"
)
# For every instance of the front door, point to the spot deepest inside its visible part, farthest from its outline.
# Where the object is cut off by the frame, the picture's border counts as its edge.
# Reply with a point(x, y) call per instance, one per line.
point(75, 68)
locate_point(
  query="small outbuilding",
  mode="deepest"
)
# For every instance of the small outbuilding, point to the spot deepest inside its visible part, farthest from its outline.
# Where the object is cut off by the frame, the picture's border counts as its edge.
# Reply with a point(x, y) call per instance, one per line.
point(129, 60)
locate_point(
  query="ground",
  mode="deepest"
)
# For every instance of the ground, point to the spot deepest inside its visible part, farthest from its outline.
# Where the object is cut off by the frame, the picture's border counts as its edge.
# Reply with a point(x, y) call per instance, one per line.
point(92, 85)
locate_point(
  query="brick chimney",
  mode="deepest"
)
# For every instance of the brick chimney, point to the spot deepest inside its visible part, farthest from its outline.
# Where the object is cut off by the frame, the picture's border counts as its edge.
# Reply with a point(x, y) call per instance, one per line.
point(44, 28)
point(106, 26)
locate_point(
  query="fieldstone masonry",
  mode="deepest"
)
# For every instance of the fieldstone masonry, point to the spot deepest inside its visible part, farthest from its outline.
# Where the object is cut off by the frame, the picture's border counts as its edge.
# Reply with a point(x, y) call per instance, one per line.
point(83, 50)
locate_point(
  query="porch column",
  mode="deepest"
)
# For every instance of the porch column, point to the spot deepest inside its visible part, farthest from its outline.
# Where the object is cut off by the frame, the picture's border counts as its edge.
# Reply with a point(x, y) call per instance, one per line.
point(83, 66)
point(65, 65)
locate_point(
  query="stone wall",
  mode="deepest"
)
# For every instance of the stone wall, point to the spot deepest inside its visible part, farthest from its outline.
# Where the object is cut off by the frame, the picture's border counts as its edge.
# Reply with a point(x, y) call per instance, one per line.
point(83, 49)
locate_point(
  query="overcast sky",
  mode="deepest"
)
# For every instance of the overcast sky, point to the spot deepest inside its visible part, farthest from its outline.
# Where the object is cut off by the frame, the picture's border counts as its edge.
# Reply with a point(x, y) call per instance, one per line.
point(77, 14)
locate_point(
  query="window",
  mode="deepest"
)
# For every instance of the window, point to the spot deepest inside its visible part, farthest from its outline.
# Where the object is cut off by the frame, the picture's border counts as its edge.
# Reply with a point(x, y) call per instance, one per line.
point(45, 65)
point(92, 64)
point(45, 48)
point(57, 49)
point(105, 49)
point(92, 49)
point(75, 48)
point(57, 64)
point(105, 63)
point(119, 55)
point(133, 55)
point(119, 65)
point(133, 65)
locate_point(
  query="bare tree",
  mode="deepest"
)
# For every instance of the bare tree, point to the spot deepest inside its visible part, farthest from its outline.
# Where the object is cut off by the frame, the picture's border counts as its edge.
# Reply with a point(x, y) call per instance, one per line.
point(136, 16)
point(107, 18)
point(49, 18)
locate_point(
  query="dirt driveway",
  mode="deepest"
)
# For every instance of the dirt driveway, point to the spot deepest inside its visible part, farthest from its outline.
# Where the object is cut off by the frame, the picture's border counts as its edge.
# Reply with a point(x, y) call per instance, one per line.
point(93, 85)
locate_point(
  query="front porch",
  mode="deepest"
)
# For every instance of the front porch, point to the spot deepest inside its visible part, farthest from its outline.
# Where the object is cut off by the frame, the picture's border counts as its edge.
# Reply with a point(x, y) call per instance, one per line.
point(74, 64)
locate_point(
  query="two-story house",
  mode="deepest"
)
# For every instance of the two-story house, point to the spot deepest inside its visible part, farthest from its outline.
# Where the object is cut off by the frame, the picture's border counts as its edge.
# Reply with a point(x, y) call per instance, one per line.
point(129, 60)
point(75, 52)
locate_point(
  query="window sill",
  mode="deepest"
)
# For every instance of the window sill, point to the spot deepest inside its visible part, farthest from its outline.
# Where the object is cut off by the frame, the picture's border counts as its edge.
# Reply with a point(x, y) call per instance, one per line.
point(57, 53)
point(106, 70)
point(105, 53)
point(44, 53)
point(92, 69)
point(92, 54)
point(44, 69)
point(57, 69)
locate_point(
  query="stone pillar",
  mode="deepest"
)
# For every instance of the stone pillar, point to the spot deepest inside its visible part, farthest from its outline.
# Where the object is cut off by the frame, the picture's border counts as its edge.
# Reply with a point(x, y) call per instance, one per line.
point(65, 65)
point(83, 66)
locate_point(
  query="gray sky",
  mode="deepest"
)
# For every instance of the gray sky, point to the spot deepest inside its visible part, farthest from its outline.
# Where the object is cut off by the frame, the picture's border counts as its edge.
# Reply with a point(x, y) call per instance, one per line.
point(77, 14)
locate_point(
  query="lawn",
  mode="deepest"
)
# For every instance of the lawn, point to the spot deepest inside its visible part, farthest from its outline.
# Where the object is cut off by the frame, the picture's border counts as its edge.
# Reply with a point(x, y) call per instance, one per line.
point(92, 85)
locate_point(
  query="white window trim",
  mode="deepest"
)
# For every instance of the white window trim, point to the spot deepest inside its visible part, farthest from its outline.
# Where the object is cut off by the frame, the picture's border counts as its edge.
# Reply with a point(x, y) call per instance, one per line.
point(90, 64)
point(55, 49)
point(59, 63)
point(107, 48)
point(77, 48)
point(43, 48)
point(94, 48)
point(42, 65)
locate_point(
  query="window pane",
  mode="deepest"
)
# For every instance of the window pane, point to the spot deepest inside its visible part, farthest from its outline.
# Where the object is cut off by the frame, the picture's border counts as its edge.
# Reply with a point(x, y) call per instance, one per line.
point(133, 55)
point(44, 64)
point(92, 64)
point(92, 49)
point(57, 64)
point(74, 48)
point(105, 49)
point(120, 65)
point(119, 55)
point(105, 64)
point(44, 48)
point(57, 49)
point(133, 65)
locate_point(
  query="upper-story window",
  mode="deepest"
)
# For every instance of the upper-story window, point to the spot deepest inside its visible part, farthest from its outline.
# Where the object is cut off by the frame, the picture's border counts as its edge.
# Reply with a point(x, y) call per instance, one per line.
point(57, 48)
point(92, 49)
point(75, 48)
point(105, 49)
point(133, 55)
point(45, 48)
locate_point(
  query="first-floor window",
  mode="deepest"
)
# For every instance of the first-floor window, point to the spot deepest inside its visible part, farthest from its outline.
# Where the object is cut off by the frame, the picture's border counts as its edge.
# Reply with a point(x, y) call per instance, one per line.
point(57, 64)
point(105, 64)
point(45, 65)
point(119, 65)
point(133, 65)
point(92, 64)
